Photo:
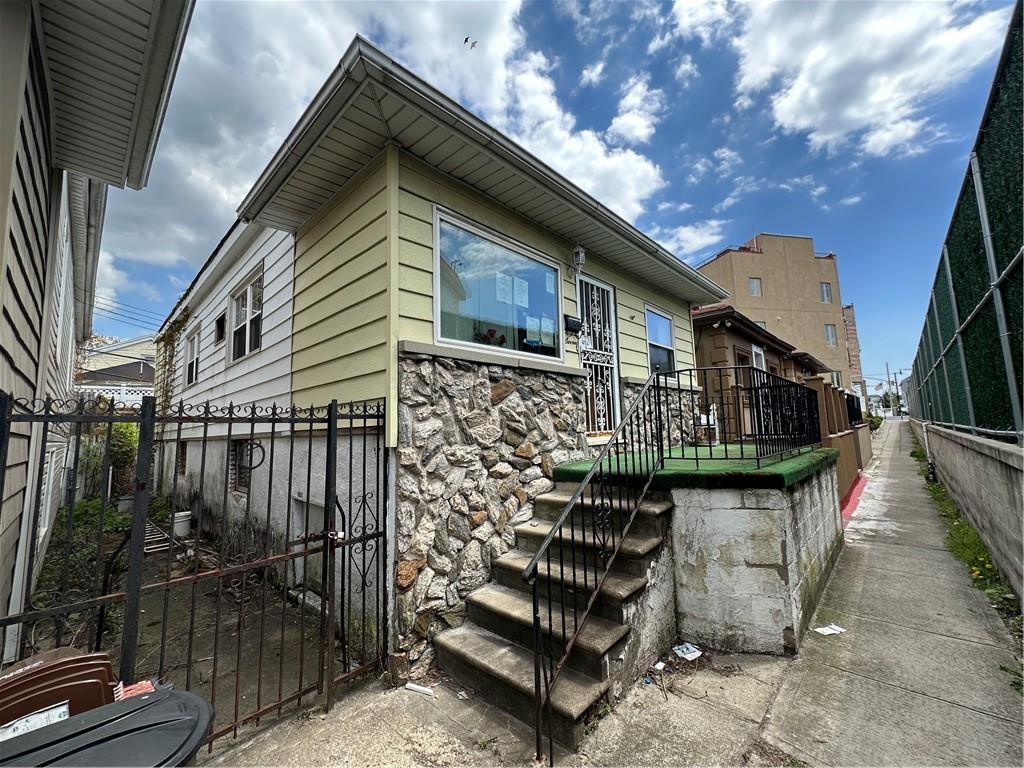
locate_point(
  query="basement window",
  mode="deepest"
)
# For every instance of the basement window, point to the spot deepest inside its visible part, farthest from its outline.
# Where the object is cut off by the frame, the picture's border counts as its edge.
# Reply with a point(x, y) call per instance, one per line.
point(181, 459)
point(240, 465)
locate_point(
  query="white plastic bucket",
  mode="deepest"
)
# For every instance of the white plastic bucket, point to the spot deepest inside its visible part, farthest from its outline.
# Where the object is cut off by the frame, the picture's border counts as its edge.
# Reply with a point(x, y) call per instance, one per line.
point(182, 524)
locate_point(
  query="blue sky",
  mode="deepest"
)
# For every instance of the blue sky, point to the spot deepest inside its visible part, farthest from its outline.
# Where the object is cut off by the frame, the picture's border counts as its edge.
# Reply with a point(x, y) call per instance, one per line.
point(702, 121)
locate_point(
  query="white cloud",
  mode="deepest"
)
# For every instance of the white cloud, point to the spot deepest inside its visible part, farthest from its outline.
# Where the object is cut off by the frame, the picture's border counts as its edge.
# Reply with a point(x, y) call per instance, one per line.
point(640, 110)
point(742, 186)
point(686, 70)
point(691, 238)
point(109, 279)
point(705, 20)
point(222, 127)
point(851, 200)
point(621, 178)
point(728, 161)
point(861, 72)
point(818, 191)
point(593, 74)
point(699, 170)
point(675, 207)
point(797, 182)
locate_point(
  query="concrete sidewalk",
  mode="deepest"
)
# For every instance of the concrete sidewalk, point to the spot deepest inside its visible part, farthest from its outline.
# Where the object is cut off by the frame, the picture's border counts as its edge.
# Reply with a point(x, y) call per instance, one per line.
point(916, 679)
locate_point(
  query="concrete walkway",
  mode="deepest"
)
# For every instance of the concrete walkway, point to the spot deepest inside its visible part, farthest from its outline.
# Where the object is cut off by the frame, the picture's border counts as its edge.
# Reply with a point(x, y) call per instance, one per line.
point(916, 679)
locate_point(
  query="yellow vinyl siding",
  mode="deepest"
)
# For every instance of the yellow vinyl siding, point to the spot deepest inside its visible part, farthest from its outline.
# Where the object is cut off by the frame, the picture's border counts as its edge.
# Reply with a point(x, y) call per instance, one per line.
point(420, 187)
point(341, 305)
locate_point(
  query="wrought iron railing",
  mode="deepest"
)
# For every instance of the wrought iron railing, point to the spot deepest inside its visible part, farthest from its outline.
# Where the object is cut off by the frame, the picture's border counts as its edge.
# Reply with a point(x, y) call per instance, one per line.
point(690, 415)
point(737, 413)
point(582, 543)
point(853, 410)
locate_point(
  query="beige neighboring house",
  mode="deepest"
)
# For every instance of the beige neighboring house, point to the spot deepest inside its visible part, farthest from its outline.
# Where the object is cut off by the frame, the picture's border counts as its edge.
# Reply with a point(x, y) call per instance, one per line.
point(779, 282)
point(83, 91)
point(121, 371)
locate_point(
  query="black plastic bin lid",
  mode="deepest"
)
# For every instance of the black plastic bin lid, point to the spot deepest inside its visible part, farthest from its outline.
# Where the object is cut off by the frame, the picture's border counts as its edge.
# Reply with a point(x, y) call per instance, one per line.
point(160, 728)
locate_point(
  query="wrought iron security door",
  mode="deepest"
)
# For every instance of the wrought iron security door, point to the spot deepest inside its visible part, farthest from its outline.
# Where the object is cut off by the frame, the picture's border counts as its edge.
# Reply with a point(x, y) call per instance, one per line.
point(598, 355)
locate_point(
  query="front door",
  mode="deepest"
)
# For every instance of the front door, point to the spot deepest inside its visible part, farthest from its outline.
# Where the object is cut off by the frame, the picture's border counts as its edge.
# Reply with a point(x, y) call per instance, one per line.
point(598, 353)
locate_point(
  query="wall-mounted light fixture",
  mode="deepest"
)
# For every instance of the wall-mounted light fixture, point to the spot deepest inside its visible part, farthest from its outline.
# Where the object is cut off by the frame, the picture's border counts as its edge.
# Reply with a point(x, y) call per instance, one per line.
point(579, 257)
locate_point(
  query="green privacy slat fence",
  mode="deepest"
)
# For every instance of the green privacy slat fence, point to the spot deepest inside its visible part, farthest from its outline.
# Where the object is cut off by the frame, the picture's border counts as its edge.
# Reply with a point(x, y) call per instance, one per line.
point(969, 366)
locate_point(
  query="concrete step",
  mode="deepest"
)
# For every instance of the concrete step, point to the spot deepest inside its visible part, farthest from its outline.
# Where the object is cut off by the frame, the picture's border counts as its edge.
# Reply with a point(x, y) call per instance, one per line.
point(652, 516)
point(509, 613)
point(617, 591)
point(635, 554)
point(504, 674)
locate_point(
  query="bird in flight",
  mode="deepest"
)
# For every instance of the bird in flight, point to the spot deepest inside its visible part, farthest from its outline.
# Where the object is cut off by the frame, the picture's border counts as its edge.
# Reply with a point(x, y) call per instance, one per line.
point(473, 45)
point(466, 41)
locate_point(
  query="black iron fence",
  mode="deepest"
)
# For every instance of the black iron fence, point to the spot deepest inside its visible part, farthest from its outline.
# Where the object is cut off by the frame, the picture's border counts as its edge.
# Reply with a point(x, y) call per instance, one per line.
point(688, 416)
point(853, 410)
point(239, 552)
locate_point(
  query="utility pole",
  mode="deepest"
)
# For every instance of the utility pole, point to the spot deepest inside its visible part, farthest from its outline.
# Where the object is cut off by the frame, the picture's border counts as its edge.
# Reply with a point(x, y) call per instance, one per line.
point(888, 384)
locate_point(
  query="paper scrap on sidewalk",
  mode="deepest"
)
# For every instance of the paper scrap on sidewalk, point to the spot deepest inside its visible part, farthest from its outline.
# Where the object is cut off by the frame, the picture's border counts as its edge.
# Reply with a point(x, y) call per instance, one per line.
point(831, 629)
point(659, 666)
point(419, 689)
point(687, 651)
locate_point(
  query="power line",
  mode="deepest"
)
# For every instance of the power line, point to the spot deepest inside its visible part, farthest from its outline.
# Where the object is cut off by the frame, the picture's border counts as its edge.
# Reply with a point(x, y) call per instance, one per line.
point(122, 305)
point(116, 317)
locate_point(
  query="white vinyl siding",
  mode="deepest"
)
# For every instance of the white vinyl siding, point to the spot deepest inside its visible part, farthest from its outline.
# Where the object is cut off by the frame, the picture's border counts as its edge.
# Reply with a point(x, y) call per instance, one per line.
point(264, 376)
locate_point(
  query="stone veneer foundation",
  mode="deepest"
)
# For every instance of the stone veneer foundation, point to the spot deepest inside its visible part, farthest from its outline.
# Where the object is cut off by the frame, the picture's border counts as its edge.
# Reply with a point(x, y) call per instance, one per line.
point(477, 443)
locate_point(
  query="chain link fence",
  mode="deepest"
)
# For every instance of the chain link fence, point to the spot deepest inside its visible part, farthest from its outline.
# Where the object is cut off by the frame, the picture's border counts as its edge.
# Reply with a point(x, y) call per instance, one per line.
point(968, 369)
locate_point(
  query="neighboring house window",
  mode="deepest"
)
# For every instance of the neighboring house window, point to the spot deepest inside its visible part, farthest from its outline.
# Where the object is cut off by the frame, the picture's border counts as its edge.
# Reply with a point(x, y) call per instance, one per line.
point(758, 355)
point(238, 467)
point(182, 458)
point(192, 358)
point(660, 352)
point(831, 339)
point(742, 359)
point(837, 378)
point(220, 328)
point(826, 293)
point(761, 323)
point(247, 319)
point(754, 286)
point(494, 295)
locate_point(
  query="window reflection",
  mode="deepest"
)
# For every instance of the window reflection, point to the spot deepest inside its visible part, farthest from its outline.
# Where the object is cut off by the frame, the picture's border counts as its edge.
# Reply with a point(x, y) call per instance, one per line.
point(496, 297)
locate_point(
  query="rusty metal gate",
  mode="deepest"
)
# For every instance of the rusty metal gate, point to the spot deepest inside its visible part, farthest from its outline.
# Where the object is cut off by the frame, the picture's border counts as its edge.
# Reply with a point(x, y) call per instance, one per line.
point(239, 552)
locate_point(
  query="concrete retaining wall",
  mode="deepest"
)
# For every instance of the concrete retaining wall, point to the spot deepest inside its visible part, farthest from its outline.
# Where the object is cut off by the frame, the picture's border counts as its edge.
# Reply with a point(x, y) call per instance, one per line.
point(985, 478)
point(847, 468)
point(864, 448)
point(750, 565)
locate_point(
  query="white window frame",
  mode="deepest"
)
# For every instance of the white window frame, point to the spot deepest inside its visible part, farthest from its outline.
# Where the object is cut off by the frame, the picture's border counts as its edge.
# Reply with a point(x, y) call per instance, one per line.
point(760, 287)
point(821, 290)
point(761, 324)
point(443, 214)
point(193, 344)
point(834, 340)
point(245, 287)
point(758, 351)
point(671, 332)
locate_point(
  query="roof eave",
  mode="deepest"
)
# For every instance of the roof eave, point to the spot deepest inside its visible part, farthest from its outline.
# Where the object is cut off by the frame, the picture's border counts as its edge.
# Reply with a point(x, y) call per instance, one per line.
point(85, 255)
point(164, 55)
point(385, 70)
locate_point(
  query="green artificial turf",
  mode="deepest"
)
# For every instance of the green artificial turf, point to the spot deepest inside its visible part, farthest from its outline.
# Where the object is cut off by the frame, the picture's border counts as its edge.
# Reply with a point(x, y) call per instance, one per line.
point(683, 471)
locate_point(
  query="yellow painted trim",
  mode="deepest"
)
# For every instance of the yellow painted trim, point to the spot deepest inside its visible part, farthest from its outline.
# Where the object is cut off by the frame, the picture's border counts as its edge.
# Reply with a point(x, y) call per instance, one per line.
point(393, 214)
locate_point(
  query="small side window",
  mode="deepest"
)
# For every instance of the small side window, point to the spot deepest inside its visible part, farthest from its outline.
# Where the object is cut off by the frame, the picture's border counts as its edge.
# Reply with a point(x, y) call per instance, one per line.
point(831, 338)
point(826, 293)
point(754, 286)
point(220, 330)
point(239, 465)
point(181, 459)
point(192, 358)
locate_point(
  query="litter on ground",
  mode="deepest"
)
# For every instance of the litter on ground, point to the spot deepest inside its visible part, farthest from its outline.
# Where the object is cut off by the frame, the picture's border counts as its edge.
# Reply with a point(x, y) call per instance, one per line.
point(419, 689)
point(687, 651)
point(831, 629)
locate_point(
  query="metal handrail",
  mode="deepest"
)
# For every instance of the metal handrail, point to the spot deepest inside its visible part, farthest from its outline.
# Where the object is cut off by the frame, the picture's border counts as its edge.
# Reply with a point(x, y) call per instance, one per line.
point(768, 415)
point(602, 534)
